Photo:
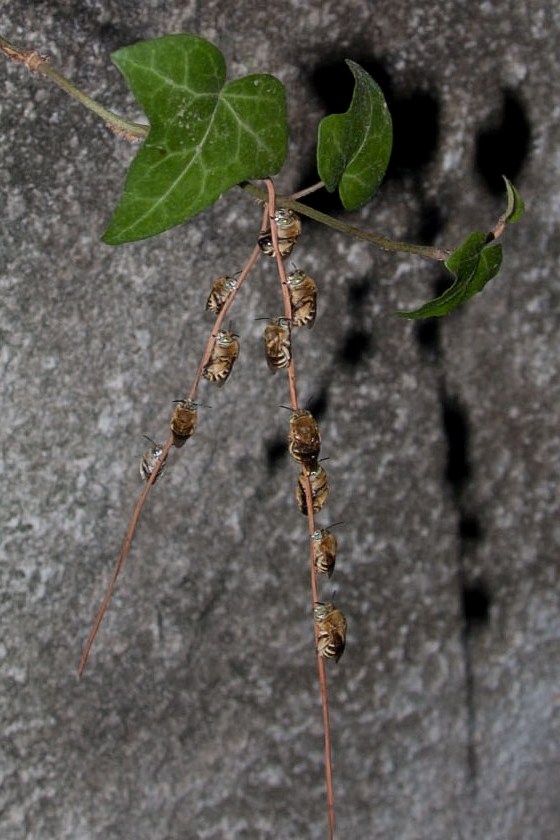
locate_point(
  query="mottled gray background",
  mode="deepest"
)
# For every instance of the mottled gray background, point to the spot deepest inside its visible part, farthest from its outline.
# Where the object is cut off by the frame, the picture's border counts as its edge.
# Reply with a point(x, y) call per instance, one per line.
point(199, 716)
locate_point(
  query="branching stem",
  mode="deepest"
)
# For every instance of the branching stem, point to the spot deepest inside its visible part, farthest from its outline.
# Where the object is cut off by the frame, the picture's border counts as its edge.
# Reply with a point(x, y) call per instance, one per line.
point(124, 553)
point(133, 524)
point(256, 253)
point(382, 242)
point(310, 519)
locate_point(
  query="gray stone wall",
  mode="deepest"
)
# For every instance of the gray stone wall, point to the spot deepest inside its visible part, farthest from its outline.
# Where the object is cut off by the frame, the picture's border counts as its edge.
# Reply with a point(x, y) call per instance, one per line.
point(199, 715)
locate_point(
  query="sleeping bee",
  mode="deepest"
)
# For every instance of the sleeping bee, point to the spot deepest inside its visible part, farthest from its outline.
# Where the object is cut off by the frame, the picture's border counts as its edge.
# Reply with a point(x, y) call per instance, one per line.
point(150, 459)
point(304, 439)
point(224, 354)
point(278, 344)
point(324, 545)
point(183, 421)
point(288, 226)
point(319, 489)
point(221, 288)
point(331, 630)
point(303, 297)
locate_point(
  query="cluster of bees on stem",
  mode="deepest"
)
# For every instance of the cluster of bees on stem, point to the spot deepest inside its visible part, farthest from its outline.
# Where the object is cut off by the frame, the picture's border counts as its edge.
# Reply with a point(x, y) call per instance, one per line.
point(304, 439)
point(304, 445)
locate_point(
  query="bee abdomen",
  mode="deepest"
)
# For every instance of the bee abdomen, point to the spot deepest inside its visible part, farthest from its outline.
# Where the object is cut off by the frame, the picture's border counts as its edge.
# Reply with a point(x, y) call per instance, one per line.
point(183, 421)
point(319, 489)
point(303, 298)
point(304, 438)
point(278, 344)
point(331, 630)
point(224, 353)
point(324, 546)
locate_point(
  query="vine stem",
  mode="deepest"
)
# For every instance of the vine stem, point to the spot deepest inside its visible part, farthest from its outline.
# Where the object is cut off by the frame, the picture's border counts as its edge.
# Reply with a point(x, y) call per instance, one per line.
point(37, 63)
point(133, 524)
point(310, 519)
point(124, 553)
point(382, 242)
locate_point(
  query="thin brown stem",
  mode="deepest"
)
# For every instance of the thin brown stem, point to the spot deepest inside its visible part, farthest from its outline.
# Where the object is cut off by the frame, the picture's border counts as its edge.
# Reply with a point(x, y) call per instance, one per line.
point(283, 285)
point(255, 254)
point(133, 524)
point(498, 228)
point(320, 662)
point(39, 64)
point(310, 520)
point(124, 553)
point(307, 191)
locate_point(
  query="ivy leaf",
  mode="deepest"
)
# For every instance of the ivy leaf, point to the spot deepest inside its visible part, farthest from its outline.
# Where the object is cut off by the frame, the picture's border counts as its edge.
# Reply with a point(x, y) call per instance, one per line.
point(515, 205)
point(353, 149)
point(205, 135)
point(472, 265)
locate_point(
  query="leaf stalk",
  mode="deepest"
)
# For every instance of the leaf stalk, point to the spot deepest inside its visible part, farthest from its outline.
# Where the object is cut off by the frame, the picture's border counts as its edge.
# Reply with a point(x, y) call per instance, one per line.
point(37, 63)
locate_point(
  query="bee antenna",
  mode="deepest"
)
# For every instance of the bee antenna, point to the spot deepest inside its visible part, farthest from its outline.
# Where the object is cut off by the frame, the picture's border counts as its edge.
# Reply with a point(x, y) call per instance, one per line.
point(334, 524)
point(150, 439)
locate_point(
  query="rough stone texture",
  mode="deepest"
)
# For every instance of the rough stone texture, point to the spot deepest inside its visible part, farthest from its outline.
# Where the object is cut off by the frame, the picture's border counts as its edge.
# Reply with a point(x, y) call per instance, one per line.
point(199, 715)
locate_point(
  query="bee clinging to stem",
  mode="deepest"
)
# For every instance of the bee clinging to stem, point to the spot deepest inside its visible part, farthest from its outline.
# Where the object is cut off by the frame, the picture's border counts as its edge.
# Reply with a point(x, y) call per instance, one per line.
point(304, 438)
point(303, 297)
point(224, 354)
point(183, 421)
point(324, 545)
point(319, 489)
point(288, 227)
point(331, 630)
point(221, 288)
point(150, 459)
point(278, 343)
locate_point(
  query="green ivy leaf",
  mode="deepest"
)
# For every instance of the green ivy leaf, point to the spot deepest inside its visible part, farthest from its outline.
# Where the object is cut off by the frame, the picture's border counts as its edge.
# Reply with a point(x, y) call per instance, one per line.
point(472, 265)
point(353, 149)
point(205, 135)
point(515, 205)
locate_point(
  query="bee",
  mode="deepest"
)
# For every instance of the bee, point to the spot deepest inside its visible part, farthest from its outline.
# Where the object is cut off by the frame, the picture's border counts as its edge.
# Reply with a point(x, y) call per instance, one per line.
point(183, 421)
point(221, 288)
point(288, 223)
point(331, 630)
point(304, 439)
point(324, 546)
point(319, 489)
point(303, 297)
point(149, 460)
point(224, 354)
point(278, 343)
point(288, 226)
